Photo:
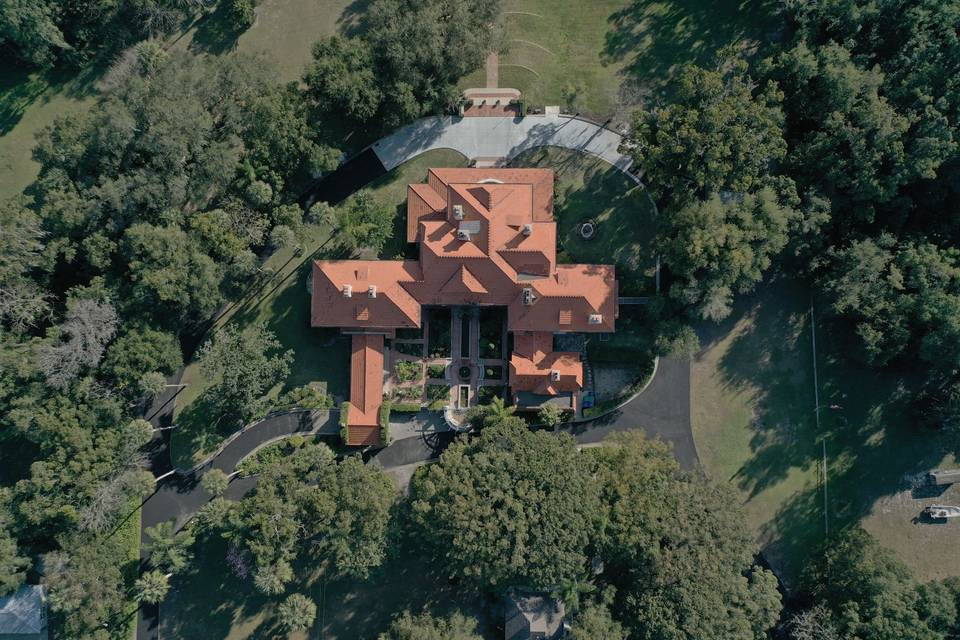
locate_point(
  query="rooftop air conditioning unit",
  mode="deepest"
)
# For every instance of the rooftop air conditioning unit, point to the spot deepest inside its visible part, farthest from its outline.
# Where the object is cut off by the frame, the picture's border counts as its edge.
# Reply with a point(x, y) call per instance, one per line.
point(458, 212)
point(555, 375)
point(463, 234)
point(347, 291)
point(372, 291)
point(528, 296)
point(595, 318)
point(527, 229)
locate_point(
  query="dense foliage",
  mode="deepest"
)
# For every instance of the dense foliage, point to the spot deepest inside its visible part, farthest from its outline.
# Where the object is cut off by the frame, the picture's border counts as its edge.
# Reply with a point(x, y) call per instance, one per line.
point(862, 591)
point(308, 505)
point(381, 76)
point(523, 508)
point(427, 627)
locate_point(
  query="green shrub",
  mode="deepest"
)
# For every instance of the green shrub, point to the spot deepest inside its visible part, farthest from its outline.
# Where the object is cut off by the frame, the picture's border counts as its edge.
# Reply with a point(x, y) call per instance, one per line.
point(436, 371)
point(261, 459)
point(344, 418)
point(405, 407)
point(408, 393)
point(242, 13)
point(385, 409)
point(438, 392)
point(408, 371)
point(305, 397)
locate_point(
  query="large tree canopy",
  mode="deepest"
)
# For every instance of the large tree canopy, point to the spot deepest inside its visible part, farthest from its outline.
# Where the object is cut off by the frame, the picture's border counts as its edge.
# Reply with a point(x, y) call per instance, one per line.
point(380, 75)
point(512, 507)
point(678, 550)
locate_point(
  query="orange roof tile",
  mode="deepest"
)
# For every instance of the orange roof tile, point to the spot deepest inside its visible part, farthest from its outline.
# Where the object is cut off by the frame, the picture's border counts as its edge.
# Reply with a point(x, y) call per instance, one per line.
point(535, 367)
point(366, 380)
point(504, 242)
point(422, 201)
point(387, 305)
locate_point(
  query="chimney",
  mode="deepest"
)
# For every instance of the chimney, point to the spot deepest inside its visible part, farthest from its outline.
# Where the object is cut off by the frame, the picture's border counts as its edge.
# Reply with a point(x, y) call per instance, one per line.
point(458, 212)
point(347, 291)
point(595, 318)
point(528, 296)
point(527, 229)
point(555, 375)
point(372, 291)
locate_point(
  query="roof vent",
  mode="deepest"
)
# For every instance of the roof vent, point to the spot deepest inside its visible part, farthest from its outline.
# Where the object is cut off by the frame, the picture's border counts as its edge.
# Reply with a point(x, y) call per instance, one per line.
point(595, 318)
point(458, 212)
point(527, 229)
point(555, 375)
point(528, 296)
point(372, 291)
point(347, 291)
point(463, 234)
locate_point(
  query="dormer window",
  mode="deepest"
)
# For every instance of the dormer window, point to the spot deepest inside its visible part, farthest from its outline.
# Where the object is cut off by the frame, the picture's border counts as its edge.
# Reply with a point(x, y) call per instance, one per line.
point(595, 318)
point(347, 291)
point(372, 291)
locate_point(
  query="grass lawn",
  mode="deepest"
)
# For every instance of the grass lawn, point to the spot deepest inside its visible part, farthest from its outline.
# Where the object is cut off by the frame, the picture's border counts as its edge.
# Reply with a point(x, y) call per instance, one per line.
point(755, 426)
point(282, 301)
point(603, 57)
point(284, 32)
point(28, 103)
point(590, 189)
point(211, 603)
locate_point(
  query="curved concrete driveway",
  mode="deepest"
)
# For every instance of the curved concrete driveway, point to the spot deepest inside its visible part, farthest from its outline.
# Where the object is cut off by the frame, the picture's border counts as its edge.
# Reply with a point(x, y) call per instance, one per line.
point(500, 138)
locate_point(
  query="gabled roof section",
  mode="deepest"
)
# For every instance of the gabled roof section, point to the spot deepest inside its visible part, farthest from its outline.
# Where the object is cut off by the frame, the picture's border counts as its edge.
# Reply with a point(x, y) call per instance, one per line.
point(422, 202)
point(22, 612)
point(462, 281)
point(540, 181)
point(377, 298)
point(536, 368)
point(366, 381)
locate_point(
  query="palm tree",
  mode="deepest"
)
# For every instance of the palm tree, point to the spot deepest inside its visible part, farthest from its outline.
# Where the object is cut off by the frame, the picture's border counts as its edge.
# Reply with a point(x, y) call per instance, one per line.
point(297, 613)
point(497, 412)
point(152, 587)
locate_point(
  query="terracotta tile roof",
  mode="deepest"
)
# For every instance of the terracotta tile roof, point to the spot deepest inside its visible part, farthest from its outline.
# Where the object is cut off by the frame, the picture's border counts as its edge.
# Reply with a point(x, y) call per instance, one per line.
point(422, 201)
point(366, 380)
point(488, 237)
point(540, 181)
point(535, 367)
point(387, 306)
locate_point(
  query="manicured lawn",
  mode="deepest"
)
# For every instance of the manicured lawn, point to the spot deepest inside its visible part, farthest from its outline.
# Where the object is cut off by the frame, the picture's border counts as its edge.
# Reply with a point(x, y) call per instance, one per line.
point(282, 301)
point(590, 189)
point(755, 426)
point(602, 58)
point(210, 602)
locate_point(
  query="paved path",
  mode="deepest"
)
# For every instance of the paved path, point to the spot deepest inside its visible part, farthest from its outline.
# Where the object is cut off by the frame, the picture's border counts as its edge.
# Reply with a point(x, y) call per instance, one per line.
point(499, 138)
point(180, 495)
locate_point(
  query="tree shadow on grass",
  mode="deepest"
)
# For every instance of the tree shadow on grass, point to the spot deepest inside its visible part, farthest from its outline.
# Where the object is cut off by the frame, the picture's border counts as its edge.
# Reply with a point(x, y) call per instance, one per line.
point(872, 445)
point(208, 600)
point(216, 32)
point(654, 38)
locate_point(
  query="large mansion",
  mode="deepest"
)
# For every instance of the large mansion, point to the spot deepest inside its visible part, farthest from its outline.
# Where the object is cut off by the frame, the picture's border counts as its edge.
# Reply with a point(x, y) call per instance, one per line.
point(487, 238)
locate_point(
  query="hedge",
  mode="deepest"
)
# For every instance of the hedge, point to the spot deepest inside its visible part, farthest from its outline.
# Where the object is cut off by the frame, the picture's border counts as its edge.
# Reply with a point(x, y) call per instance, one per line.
point(344, 417)
point(385, 423)
point(405, 407)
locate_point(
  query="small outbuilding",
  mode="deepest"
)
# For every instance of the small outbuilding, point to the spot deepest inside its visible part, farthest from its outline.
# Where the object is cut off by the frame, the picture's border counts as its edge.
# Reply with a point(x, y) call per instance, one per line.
point(534, 617)
point(23, 614)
